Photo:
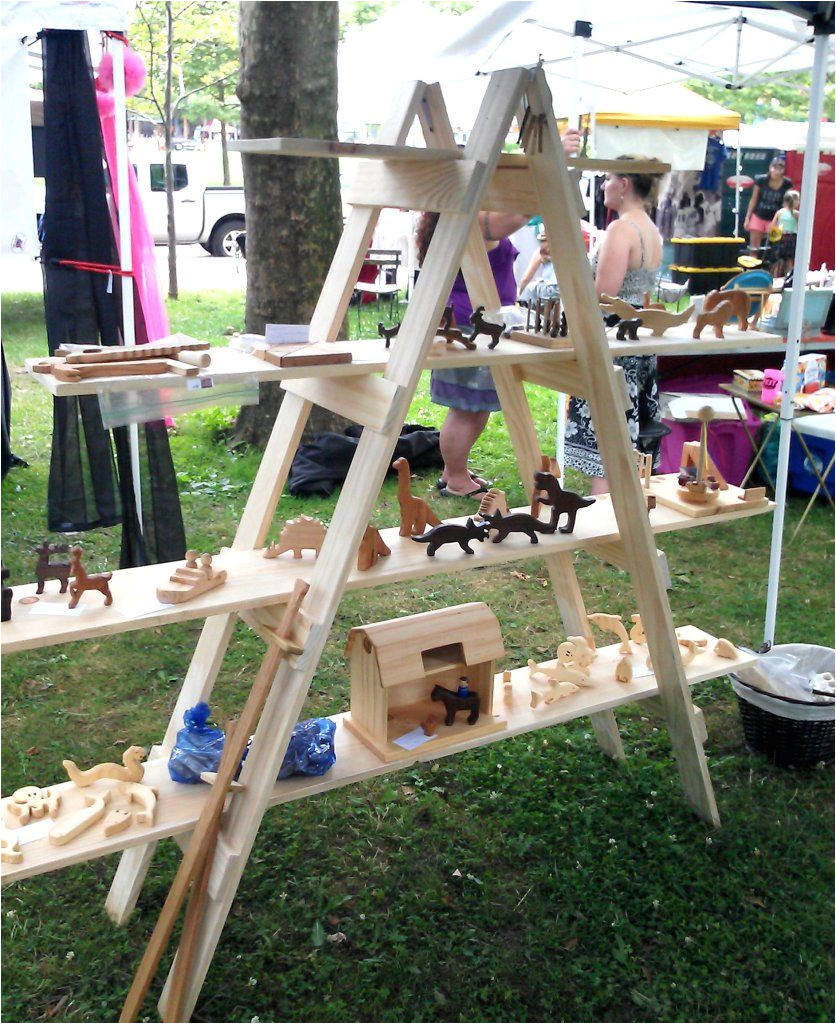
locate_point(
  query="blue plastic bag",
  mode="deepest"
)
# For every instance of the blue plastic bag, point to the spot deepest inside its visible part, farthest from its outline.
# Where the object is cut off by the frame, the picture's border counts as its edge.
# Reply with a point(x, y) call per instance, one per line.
point(198, 747)
point(311, 748)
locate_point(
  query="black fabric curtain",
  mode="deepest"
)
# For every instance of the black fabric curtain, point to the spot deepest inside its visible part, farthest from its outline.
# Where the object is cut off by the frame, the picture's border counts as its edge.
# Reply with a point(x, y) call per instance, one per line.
point(88, 486)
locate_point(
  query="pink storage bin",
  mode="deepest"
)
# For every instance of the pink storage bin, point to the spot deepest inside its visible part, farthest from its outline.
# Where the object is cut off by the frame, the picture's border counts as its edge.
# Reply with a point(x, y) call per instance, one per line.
point(727, 441)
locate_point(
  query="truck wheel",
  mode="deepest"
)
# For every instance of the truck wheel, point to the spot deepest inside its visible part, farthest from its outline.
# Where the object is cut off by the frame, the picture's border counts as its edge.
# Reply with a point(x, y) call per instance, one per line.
point(224, 239)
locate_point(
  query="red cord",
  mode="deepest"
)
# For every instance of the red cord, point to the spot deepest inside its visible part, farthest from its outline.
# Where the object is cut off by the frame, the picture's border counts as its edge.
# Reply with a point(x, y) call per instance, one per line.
point(95, 268)
point(117, 35)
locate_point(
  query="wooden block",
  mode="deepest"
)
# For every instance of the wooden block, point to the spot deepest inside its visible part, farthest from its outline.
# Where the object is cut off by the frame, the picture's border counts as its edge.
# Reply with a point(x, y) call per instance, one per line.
point(309, 354)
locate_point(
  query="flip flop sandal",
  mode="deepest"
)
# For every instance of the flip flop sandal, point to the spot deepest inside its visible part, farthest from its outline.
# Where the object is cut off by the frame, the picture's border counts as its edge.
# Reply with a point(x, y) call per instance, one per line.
point(484, 484)
point(445, 492)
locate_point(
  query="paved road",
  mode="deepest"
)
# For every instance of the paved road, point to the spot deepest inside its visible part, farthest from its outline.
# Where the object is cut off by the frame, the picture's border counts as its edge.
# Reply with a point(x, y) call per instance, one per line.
point(197, 271)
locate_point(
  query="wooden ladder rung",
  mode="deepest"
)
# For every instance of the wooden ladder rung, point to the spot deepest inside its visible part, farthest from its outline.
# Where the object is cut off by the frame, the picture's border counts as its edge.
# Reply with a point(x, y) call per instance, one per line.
point(367, 400)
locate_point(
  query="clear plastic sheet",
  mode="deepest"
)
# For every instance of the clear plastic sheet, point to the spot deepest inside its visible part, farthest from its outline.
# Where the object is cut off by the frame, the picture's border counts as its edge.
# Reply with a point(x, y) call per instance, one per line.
point(144, 405)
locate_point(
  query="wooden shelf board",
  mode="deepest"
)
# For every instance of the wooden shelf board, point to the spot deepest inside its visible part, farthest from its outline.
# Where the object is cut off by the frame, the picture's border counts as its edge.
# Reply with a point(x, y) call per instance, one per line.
point(254, 581)
point(229, 366)
point(178, 806)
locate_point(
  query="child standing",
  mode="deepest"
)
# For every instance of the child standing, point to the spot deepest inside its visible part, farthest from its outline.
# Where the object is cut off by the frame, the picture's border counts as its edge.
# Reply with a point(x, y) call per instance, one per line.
point(787, 220)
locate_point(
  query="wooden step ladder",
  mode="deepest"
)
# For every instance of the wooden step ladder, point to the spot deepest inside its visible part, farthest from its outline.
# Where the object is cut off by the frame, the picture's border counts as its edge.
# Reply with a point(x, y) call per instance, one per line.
point(457, 184)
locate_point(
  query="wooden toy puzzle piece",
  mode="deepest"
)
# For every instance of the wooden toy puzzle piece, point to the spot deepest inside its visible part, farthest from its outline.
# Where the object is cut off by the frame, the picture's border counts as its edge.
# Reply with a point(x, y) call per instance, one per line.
point(74, 824)
point(84, 581)
point(637, 633)
point(739, 300)
point(387, 332)
point(725, 649)
point(371, 548)
point(454, 533)
point(117, 820)
point(493, 501)
point(191, 579)
point(716, 318)
point(10, 849)
point(131, 769)
point(145, 796)
point(416, 513)
point(301, 534)
point(453, 703)
point(624, 671)
point(552, 494)
point(612, 624)
point(486, 327)
point(31, 802)
point(46, 570)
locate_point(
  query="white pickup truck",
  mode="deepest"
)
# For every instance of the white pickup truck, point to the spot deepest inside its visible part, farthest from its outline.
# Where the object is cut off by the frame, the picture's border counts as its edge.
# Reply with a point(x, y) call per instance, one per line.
point(212, 215)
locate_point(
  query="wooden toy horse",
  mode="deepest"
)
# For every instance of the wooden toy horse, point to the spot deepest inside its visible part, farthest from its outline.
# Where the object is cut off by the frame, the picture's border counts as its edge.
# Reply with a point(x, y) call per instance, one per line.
point(83, 581)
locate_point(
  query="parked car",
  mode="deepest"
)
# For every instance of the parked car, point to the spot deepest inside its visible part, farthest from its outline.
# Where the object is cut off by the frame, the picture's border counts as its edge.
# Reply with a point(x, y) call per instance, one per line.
point(212, 215)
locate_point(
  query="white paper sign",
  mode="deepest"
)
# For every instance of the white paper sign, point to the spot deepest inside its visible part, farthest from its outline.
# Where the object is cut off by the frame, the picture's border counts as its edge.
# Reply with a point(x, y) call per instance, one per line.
point(287, 334)
point(413, 739)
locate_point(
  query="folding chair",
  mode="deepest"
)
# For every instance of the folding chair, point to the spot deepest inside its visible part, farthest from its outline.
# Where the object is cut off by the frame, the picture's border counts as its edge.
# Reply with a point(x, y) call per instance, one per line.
point(381, 269)
point(821, 426)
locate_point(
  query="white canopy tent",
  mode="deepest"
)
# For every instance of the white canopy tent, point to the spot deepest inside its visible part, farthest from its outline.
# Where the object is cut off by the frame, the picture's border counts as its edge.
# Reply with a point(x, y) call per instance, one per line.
point(649, 45)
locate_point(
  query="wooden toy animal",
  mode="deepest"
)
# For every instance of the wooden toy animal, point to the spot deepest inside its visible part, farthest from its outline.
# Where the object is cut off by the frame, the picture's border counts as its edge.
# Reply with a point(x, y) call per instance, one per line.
point(585, 652)
point(612, 624)
point(31, 802)
point(717, 318)
point(517, 522)
point(7, 597)
point(73, 825)
point(387, 332)
point(454, 533)
point(563, 330)
point(659, 320)
point(301, 534)
point(116, 821)
point(448, 330)
point(453, 703)
point(552, 693)
point(725, 648)
point(371, 548)
point(739, 300)
point(624, 671)
point(637, 634)
point(131, 769)
point(84, 581)
point(612, 320)
point(46, 570)
point(558, 674)
point(145, 796)
point(550, 493)
point(10, 850)
point(494, 500)
point(628, 329)
point(416, 514)
point(612, 304)
point(486, 327)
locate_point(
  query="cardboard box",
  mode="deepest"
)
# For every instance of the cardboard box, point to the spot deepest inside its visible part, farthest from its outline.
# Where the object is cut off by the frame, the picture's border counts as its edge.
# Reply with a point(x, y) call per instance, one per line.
point(810, 373)
point(749, 380)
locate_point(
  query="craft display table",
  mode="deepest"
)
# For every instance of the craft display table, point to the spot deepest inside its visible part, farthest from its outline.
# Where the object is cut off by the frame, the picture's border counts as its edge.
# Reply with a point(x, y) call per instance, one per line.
point(617, 528)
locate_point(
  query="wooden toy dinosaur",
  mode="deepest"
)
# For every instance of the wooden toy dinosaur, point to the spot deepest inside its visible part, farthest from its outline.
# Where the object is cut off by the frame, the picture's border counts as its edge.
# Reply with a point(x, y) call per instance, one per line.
point(416, 514)
point(84, 581)
point(371, 548)
point(454, 533)
point(131, 769)
point(549, 492)
point(387, 332)
point(301, 534)
point(517, 522)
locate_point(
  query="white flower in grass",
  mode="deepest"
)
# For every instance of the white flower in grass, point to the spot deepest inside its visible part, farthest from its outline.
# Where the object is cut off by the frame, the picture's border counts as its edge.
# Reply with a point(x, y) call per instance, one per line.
point(70, 955)
point(252, 982)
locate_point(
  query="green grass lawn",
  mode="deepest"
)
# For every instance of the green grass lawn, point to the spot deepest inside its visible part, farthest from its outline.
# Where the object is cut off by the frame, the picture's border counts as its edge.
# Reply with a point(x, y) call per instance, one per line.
point(532, 880)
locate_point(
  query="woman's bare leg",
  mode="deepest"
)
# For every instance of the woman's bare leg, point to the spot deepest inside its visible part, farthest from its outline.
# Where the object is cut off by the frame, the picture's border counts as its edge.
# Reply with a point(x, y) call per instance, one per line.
point(598, 485)
point(458, 434)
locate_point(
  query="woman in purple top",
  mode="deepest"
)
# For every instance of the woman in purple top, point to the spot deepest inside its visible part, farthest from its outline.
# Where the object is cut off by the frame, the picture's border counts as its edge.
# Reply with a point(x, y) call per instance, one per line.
point(468, 392)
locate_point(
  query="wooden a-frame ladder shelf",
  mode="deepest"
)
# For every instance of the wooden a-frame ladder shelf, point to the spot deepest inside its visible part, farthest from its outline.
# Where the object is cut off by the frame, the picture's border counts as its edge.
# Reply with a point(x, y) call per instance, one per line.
point(457, 184)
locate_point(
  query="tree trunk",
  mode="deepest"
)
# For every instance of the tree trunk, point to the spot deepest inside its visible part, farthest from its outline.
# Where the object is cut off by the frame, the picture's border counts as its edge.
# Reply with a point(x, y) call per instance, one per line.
point(169, 173)
point(287, 86)
point(224, 150)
